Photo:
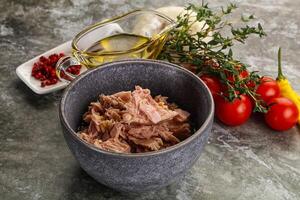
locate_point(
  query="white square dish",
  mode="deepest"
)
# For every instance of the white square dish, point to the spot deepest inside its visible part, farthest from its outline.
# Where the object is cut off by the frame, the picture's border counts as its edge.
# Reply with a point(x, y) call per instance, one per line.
point(24, 71)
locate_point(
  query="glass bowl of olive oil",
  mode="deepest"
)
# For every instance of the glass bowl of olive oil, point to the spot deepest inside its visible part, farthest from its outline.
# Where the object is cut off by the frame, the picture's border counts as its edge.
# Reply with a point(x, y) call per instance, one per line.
point(131, 35)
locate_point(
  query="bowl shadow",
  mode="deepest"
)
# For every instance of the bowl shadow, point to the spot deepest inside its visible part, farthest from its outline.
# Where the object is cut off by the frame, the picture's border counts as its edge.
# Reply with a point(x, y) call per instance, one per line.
point(84, 186)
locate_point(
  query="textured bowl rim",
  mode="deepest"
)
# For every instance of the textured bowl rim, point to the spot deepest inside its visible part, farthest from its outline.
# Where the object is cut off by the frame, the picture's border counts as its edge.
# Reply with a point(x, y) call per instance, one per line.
point(134, 155)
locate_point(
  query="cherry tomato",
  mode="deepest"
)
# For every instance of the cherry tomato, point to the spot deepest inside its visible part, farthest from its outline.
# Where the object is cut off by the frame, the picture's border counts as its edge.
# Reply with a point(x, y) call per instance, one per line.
point(266, 79)
point(282, 115)
point(268, 89)
point(243, 74)
point(230, 76)
point(250, 83)
point(213, 83)
point(189, 67)
point(234, 113)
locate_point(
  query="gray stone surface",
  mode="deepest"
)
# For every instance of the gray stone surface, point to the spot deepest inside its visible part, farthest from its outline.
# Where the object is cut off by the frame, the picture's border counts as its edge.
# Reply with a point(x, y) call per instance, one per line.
point(247, 162)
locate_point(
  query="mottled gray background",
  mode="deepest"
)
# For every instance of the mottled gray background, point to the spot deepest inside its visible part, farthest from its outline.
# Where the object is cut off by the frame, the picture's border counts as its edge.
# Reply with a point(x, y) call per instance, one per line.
point(247, 162)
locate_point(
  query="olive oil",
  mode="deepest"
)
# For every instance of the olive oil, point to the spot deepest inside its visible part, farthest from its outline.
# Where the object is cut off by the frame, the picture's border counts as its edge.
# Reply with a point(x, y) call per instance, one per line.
point(120, 46)
point(117, 43)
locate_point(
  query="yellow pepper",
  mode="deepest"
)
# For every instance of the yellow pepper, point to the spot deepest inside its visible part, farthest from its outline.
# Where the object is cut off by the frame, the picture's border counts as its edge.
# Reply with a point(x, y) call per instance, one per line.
point(286, 88)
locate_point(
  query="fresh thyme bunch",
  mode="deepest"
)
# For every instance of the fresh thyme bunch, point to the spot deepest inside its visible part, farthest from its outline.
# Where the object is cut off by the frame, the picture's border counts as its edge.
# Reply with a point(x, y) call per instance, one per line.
point(208, 51)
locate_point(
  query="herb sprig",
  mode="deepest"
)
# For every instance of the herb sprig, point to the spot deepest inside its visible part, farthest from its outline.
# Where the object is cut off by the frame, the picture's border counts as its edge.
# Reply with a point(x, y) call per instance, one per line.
point(208, 50)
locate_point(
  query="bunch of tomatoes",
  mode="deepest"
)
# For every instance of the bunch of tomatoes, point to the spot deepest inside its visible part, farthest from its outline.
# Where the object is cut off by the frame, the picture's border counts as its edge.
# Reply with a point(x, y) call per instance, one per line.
point(281, 114)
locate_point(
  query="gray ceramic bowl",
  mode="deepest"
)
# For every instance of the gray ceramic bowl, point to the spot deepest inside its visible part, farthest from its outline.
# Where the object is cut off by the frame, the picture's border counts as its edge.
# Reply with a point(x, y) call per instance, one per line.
point(141, 171)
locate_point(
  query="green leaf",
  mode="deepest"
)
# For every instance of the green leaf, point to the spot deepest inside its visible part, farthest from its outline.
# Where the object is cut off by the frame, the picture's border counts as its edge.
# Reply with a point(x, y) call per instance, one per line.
point(230, 53)
point(247, 19)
